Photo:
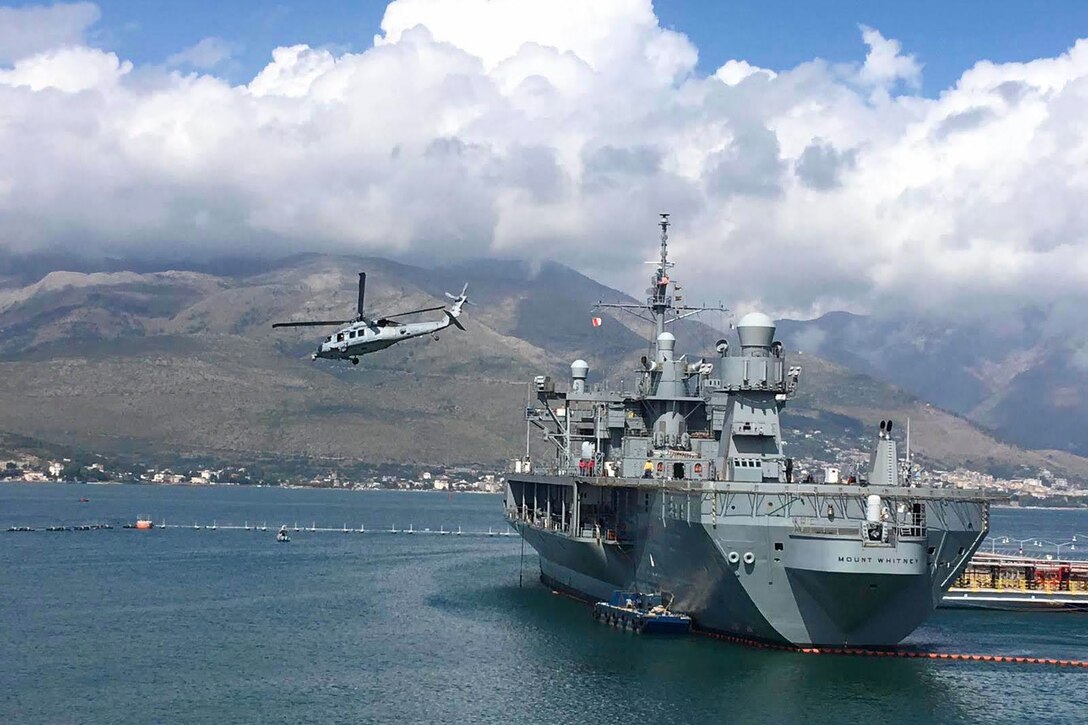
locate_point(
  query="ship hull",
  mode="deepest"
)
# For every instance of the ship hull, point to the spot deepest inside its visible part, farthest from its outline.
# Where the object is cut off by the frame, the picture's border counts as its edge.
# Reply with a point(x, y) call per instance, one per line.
point(738, 565)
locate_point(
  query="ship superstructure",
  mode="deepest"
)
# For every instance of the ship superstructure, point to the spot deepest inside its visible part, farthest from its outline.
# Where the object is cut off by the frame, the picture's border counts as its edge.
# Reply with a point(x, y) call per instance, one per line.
point(681, 485)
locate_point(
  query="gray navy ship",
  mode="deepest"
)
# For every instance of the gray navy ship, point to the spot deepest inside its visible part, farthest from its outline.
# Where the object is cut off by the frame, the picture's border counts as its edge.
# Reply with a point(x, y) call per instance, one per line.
point(681, 486)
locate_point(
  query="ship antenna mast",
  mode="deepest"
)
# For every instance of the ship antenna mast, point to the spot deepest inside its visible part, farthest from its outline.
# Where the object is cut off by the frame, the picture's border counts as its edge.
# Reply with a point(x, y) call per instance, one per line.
point(664, 224)
point(659, 302)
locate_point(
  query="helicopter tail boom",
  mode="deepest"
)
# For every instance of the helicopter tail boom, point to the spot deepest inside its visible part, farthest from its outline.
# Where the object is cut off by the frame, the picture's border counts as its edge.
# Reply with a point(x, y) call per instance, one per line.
point(455, 321)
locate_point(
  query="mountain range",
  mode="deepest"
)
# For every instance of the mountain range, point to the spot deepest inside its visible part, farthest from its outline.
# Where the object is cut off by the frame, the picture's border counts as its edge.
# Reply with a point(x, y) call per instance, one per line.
point(185, 361)
point(1023, 379)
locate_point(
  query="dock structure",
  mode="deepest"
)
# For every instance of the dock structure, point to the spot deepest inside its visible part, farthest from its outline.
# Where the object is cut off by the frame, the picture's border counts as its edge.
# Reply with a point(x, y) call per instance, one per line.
point(999, 581)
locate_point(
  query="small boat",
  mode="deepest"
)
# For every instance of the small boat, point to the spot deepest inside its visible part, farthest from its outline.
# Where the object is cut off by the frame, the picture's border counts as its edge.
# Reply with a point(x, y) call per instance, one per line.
point(281, 535)
point(84, 500)
point(144, 522)
point(644, 613)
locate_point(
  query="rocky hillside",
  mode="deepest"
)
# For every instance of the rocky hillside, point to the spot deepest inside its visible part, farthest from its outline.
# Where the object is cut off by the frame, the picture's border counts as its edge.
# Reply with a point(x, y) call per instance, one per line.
point(186, 362)
point(1021, 377)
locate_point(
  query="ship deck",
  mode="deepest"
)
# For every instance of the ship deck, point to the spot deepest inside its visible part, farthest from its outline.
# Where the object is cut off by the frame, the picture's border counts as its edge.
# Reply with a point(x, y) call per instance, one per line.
point(772, 487)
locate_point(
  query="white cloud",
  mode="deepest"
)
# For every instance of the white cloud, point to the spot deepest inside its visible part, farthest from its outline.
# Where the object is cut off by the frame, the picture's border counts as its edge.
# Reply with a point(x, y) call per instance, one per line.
point(33, 28)
point(69, 69)
point(559, 129)
point(609, 36)
point(735, 71)
point(884, 65)
point(204, 55)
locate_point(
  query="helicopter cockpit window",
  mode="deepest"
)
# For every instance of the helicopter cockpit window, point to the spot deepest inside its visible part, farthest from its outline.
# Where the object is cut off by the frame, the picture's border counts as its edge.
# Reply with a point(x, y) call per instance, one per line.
point(351, 334)
point(328, 339)
point(339, 337)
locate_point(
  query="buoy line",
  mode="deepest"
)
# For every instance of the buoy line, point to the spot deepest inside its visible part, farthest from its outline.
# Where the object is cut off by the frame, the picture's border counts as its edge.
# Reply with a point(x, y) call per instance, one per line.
point(864, 652)
point(901, 653)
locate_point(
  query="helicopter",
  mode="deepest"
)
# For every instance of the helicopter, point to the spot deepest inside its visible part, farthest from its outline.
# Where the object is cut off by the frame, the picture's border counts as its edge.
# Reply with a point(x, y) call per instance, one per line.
point(363, 335)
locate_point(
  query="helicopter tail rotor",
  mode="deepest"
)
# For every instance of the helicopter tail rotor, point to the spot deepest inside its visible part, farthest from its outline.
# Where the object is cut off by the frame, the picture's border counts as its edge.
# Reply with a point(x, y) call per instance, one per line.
point(455, 309)
point(461, 299)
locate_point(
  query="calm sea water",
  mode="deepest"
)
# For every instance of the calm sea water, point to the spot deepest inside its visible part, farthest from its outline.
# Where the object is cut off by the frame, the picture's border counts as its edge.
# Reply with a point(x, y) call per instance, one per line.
point(228, 626)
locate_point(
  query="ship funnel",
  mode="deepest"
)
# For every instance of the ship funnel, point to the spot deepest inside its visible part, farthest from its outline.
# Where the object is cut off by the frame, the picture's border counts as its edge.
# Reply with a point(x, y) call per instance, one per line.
point(579, 371)
point(885, 462)
point(756, 331)
point(666, 344)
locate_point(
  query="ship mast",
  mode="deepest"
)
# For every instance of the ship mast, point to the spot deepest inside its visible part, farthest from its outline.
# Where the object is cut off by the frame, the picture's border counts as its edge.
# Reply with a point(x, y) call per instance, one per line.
point(659, 302)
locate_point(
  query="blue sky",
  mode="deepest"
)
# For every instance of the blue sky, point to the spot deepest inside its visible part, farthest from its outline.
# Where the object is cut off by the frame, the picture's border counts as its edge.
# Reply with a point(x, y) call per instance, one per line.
point(947, 37)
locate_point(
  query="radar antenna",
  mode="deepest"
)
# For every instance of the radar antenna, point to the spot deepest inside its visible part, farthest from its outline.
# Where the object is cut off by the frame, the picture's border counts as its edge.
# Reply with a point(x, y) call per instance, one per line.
point(658, 302)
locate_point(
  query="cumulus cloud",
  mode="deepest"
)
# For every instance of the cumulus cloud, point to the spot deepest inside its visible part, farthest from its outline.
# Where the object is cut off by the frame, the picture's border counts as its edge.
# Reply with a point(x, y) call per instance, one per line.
point(821, 165)
point(735, 71)
point(34, 28)
point(884, 64)
point(559, 129)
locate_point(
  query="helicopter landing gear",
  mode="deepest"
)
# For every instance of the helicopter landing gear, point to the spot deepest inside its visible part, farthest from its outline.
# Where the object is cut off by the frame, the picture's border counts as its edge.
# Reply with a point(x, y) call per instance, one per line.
point(434, 336)
point(355, 361)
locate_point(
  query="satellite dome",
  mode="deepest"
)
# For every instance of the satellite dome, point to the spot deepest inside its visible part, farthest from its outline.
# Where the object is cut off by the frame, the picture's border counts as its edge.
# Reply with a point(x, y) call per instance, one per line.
point(755, 330)
point(579, 369)
point(755, 319)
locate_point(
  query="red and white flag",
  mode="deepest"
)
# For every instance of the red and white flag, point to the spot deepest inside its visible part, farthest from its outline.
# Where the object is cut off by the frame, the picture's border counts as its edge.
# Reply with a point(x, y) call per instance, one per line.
point(596, 321)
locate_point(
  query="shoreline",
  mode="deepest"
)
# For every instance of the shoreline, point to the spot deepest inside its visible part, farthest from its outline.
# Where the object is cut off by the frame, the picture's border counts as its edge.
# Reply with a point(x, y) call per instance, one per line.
point(356, 490)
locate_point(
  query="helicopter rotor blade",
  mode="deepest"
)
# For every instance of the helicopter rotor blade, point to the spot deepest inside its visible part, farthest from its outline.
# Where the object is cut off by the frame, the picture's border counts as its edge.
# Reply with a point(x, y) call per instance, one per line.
point(309, 323)
point(362, 293)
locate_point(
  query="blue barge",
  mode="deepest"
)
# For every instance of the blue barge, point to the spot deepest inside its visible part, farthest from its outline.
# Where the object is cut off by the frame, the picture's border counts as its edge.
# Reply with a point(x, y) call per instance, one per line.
point(644, 613)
